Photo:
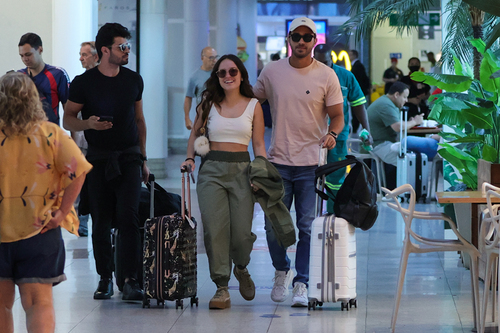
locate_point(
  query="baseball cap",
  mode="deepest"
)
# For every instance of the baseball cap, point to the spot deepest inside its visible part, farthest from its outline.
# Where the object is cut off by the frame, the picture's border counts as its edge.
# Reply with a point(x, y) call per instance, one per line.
point(303, 21)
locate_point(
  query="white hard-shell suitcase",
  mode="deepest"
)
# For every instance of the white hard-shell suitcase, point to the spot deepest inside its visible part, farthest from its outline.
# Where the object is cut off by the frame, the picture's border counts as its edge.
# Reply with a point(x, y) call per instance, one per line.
point(332, 263)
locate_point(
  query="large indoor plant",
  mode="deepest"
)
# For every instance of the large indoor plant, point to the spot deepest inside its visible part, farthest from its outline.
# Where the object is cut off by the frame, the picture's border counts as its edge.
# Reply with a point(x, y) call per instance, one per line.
point(471, 108)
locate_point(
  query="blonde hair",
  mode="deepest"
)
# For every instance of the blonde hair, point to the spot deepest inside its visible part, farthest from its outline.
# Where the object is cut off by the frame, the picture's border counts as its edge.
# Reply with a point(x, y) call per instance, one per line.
point(20, 106)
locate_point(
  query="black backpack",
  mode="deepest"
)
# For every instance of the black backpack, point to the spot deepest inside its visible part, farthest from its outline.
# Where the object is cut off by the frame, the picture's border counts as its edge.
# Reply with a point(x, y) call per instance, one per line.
point(356, 200)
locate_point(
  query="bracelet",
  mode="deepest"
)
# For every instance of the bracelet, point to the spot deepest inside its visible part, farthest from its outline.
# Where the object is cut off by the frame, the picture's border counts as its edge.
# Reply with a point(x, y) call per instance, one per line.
point(333, 134)
point(189, 158)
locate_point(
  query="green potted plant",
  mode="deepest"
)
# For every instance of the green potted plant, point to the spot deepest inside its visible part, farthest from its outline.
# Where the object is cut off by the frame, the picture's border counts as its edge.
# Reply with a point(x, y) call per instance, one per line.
point(471, 108)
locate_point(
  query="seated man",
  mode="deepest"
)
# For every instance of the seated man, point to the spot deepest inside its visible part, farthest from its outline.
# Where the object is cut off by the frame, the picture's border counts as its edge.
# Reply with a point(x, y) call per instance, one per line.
point(384, 118)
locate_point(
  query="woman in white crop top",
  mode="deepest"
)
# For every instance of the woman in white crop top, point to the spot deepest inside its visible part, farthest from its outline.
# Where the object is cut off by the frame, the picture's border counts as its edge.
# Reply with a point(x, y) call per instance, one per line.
point(233, 116)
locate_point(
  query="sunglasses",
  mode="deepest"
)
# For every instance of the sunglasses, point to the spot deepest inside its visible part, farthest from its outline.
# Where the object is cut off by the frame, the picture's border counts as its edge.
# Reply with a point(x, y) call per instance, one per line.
point(212, 58)
point(221, 73)
point(307, 37)
point(124, 46)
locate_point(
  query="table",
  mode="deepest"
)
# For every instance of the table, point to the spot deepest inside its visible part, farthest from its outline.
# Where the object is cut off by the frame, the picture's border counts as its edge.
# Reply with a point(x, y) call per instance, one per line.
point(424, 130)
point(466, 204)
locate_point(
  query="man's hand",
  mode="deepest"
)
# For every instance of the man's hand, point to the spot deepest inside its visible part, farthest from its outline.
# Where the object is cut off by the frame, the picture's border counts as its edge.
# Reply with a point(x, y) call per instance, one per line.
point(418, 119)
point(145, 172)
point(369, 140)
point(328, 142)
point(94, 123)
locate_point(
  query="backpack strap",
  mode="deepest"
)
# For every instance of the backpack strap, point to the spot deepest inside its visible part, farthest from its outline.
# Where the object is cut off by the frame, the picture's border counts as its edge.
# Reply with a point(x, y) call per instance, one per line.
point(327, 169)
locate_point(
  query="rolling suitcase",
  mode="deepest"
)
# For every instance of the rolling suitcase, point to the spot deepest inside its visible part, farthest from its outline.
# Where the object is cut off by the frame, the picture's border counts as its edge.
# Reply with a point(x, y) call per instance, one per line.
point(332, 265)
point(412, 167)
point(418, 173)
point(169, 260)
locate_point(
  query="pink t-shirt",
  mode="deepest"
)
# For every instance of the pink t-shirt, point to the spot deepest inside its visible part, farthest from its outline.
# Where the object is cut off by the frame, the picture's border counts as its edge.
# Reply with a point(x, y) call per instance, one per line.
point(298, 98)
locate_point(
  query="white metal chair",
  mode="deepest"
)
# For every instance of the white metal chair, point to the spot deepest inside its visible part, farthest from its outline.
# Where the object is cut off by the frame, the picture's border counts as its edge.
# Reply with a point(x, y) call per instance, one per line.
point(368, 155)
point(489, 238)
point(414, 243)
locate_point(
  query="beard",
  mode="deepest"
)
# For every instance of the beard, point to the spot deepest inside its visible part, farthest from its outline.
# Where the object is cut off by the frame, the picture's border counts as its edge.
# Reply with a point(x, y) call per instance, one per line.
point(301, 55)
point(116, 60)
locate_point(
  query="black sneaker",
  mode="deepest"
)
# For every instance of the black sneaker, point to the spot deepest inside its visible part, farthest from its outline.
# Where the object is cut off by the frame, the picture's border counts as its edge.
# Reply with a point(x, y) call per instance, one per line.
point(104, 289)
point(132, 291)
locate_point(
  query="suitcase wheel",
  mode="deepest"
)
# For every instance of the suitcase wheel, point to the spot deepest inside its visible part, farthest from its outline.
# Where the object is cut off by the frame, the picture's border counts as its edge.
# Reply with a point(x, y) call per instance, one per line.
point(145, 302)
point(194, 300)
point(353, 302)
point(320, 303)
point(179, 303)
point(344, 305)
point(160, 304)
point(311, 305)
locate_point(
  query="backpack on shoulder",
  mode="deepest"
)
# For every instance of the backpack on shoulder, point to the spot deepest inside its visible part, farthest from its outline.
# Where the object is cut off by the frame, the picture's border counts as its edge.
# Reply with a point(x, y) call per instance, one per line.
point(356, 200)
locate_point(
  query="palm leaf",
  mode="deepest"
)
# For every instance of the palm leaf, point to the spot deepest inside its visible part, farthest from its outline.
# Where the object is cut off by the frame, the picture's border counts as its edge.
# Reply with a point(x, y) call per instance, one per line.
point(450, 83)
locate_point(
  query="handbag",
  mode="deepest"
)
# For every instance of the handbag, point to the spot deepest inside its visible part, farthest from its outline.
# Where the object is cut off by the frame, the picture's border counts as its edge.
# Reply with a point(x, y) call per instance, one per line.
point(202, 144)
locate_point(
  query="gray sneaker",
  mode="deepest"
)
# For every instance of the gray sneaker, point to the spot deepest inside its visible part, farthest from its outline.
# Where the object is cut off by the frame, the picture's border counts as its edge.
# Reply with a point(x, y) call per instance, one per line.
point(221, 299)
point(282, 281)
point(247, 287)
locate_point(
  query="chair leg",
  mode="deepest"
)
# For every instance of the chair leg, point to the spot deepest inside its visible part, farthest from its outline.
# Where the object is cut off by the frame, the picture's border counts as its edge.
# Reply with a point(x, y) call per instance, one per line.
point(487, 282)
point(379, 177)
point(494, 289)
point(474, 271)
point(401, 279)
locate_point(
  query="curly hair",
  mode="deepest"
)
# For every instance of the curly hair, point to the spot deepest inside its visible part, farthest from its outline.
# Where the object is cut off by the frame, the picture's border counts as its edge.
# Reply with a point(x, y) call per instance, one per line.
point(20, 106)
point(214, 93)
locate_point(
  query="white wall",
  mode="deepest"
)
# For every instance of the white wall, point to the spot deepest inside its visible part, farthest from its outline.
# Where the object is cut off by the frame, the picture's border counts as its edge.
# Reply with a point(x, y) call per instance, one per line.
point(23, 16)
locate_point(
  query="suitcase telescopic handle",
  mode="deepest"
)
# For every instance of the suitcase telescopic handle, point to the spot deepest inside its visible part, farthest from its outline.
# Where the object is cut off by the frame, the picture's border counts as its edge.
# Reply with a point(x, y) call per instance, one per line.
point(185, 170)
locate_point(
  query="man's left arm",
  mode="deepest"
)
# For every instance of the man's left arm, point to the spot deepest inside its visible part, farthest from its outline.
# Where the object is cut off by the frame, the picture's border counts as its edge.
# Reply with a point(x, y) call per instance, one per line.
point(141, 129)
point(336, 114)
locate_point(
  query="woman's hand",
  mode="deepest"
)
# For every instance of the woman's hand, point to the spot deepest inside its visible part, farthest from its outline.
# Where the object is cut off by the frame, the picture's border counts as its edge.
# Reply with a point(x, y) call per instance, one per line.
point(55, 221)
point(188, 165)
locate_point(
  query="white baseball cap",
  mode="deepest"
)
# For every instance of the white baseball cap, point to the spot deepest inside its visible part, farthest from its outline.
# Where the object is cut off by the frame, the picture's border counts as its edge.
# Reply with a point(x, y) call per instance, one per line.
point(303, 21)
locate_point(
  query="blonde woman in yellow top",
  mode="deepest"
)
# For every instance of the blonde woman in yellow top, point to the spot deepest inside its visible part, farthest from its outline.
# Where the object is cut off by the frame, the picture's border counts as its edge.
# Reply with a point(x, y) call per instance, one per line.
point(41, 173)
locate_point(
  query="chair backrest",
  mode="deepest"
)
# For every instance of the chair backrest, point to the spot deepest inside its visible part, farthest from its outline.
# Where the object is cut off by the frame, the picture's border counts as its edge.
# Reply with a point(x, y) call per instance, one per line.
point(407, 214)
point(489, 234)
point(410, 212)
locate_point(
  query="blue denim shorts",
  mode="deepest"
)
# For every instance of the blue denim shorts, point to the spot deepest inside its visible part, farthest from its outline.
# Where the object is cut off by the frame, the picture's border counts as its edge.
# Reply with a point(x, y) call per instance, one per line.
point(38, 259)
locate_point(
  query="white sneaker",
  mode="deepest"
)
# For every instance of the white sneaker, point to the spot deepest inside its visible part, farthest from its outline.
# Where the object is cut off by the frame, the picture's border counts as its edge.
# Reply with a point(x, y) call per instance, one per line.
point(282, 281)
point(299, 299)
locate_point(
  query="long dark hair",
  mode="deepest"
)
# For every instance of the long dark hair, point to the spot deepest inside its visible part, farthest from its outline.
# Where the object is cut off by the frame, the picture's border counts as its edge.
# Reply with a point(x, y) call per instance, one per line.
point(214, 93)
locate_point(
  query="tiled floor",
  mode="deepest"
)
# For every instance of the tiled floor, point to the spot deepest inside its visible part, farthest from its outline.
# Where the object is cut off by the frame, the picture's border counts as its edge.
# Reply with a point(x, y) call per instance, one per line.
point(436, 296)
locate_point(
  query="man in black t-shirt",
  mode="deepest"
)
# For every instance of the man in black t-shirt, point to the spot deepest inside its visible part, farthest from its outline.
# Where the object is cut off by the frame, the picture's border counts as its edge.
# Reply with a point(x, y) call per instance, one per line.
point(110, 99)
point(392, 74)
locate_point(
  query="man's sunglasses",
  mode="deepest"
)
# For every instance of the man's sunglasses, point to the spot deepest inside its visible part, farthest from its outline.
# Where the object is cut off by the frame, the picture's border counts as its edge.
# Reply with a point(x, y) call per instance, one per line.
point(307, 37)
point(212, 58)
point(222, 72)
point(124, 46)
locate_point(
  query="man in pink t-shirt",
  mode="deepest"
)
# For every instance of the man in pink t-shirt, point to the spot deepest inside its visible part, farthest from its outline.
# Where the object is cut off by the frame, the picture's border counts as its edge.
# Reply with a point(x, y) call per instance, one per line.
point(303, 94)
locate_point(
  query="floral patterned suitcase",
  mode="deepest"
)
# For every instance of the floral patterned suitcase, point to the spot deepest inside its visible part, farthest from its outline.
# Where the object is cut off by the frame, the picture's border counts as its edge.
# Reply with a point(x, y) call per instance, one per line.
point(169, 259)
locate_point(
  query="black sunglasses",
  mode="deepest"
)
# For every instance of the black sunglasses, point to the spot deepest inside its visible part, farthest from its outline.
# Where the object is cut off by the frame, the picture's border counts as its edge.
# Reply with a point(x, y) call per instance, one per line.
point(307, 37)
point(222, 72)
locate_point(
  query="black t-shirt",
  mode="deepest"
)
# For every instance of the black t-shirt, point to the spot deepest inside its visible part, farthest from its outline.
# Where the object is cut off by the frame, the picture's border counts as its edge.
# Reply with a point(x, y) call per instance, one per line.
point(109, 96)
point(391, 74)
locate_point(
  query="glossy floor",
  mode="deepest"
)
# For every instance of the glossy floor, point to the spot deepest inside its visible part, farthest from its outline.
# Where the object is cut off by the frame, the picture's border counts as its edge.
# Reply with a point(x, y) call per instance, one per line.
point(436, 296)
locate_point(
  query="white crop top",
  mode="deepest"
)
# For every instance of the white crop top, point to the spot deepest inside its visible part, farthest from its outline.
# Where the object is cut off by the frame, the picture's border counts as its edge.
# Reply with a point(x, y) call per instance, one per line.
point(234, 130)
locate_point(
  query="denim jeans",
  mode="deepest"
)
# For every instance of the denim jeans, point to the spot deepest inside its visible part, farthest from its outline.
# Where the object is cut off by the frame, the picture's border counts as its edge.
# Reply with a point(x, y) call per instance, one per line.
point(299, 185)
